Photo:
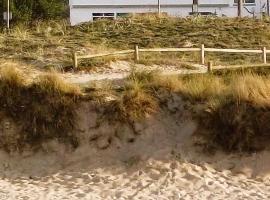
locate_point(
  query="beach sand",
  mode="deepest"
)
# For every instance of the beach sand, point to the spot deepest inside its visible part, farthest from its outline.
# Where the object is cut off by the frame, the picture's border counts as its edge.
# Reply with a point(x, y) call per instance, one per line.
point(162, 163)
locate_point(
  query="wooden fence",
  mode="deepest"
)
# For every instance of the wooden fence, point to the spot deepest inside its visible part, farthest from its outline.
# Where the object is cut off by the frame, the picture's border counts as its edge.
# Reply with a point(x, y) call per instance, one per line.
point(136, 51)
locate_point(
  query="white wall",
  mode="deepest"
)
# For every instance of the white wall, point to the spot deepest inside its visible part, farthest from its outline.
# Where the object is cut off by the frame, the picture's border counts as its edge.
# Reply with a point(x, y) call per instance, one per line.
point(81, 10)
point(128, 2)
point(79, 15)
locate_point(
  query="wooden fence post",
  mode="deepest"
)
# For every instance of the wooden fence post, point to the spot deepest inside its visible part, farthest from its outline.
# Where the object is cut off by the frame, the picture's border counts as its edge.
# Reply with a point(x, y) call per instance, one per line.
point(136, 53)
point(209, 67)
point(75, 60)
point(264, 55)
point(268, 8)
point(240, 8)
point(202, 55)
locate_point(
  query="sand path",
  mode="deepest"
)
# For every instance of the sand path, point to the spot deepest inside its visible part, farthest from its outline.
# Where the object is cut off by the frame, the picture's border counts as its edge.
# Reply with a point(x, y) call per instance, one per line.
point(116, 71)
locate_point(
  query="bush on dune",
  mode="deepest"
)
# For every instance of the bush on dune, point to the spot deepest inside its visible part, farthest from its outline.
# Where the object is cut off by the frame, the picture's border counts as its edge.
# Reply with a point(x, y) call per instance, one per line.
point(136, 100)
point(44, 109)
point(241, 121)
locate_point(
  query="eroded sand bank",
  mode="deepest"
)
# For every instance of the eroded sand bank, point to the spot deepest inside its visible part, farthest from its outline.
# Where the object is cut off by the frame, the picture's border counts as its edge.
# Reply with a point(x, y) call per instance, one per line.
point(159, 161)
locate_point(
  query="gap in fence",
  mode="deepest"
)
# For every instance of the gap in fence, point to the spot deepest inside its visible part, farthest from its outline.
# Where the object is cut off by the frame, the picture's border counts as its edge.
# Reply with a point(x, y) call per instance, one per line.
point(94, 64)
point(177, 59)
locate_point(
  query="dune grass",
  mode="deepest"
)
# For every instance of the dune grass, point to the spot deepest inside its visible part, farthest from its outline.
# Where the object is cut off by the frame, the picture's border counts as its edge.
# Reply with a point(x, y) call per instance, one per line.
point(234, 113)
point(237, 114)
point(200, 88)
point(52, 42)
point(43, 109)
point(52, 83)
point(251, 88)
point(134, 102)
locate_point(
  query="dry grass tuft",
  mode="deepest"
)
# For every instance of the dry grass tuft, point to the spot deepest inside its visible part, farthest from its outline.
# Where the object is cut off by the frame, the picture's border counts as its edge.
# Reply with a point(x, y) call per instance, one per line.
point(52, 83)
point(154, 81)
point(240, 120)
point(143, 94)
point(169, 83)
point(12, 77)
point(44, 109)
point(251, 88)
point(21, 32)
point(142, 77)
point(202, 87)
point(136, 102)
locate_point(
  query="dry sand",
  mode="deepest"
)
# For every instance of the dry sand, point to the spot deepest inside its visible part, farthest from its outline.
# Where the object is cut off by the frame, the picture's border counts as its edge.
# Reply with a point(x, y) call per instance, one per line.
point(161, 163)
point(121, 69)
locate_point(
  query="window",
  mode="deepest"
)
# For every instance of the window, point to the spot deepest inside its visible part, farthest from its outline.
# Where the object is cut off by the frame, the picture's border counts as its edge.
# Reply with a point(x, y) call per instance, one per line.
point(123, 14)
point(249, 1)
point(97, 16)
point(246, 1)
point(203, 13)
point(108, 14)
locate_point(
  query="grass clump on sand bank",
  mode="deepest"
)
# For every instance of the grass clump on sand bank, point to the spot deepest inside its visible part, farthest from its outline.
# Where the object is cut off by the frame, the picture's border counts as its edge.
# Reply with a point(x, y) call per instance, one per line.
point(234, 110)
point(135, 101)
point(202, 88)
point(238, 118)
point(43, 109)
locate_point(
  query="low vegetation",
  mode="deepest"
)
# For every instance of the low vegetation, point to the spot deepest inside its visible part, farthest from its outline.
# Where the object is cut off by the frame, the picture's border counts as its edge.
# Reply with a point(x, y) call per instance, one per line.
point(234, 109)
point(42, 110)
point(52, 42)
point(135, 101)
point(236, 112)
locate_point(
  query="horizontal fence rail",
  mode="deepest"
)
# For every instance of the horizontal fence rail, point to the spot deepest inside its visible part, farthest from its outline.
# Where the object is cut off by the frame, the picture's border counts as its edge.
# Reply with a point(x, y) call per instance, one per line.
point(136, 51)
point(105, 54)
point(170, 50)
point(233, 50)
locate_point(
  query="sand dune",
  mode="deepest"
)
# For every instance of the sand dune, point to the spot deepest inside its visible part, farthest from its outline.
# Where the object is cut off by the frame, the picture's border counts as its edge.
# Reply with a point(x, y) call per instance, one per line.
point(161, 163)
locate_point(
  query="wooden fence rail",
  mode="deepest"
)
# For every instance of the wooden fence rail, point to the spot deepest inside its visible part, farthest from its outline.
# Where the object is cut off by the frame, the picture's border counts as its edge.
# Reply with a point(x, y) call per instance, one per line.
point(136, 51)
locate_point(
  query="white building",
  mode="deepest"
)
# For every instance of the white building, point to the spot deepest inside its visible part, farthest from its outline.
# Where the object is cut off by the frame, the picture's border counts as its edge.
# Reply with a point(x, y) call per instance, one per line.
point(88, 10)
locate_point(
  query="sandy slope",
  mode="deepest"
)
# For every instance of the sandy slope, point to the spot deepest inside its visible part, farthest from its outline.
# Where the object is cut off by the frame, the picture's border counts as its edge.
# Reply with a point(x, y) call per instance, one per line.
point(160, 164)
